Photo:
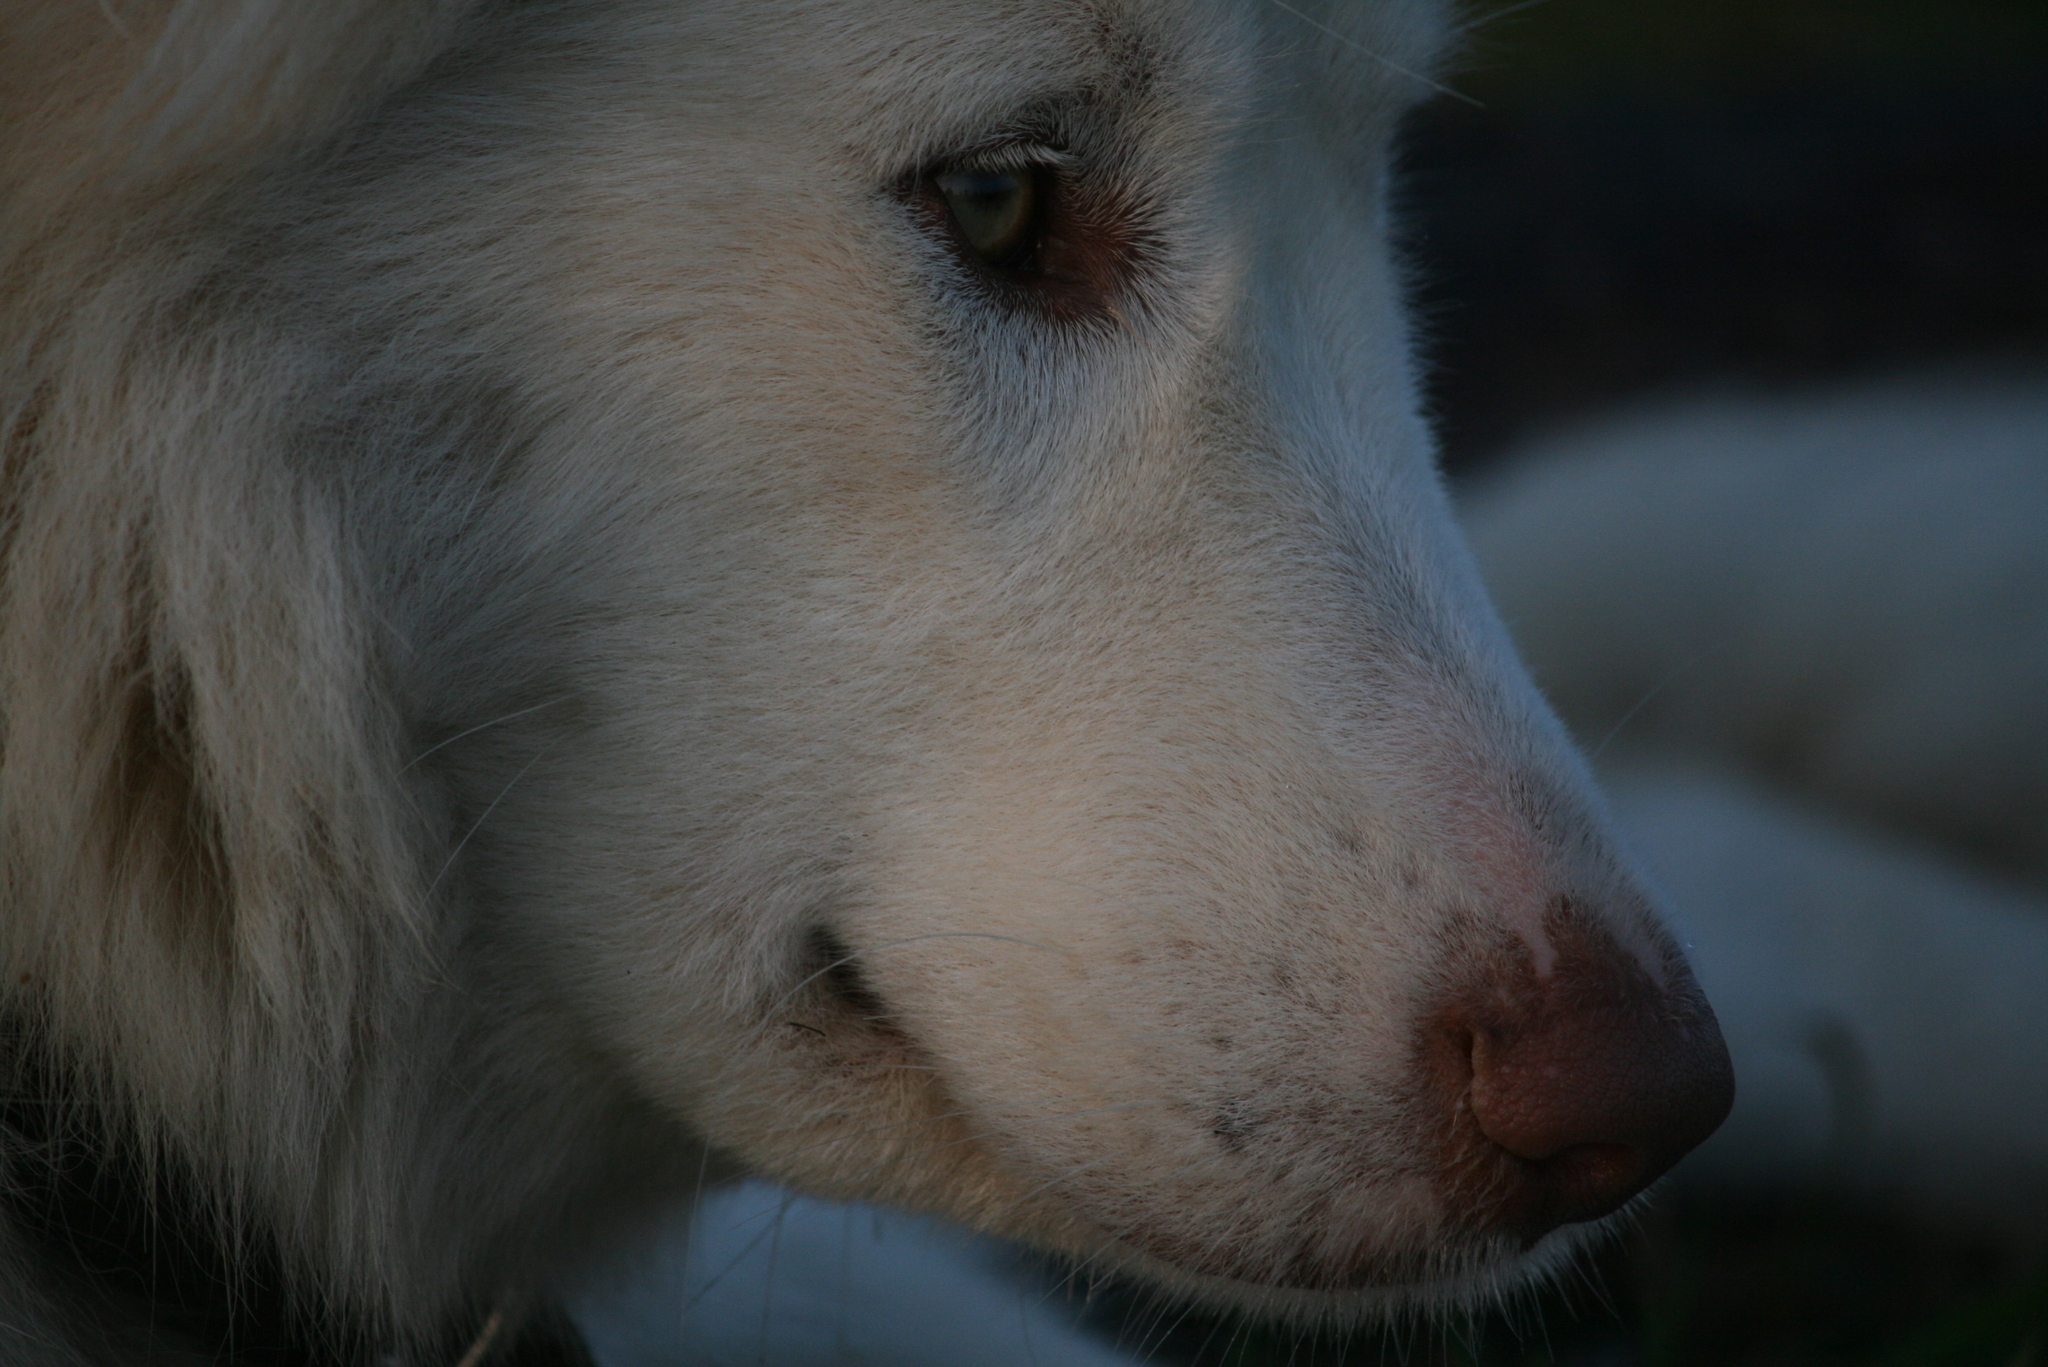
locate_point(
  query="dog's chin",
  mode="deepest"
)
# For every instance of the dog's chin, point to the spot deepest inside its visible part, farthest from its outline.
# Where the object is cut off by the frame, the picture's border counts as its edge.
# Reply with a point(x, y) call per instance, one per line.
point(1451, 1279)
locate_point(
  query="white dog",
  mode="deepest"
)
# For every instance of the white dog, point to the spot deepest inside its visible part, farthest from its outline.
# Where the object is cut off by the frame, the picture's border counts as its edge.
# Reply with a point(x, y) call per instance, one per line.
point(604, 591)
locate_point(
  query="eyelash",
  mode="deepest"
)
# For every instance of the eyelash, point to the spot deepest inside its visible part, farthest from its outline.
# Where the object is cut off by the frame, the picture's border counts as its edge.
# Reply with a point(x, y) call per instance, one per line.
point(1077, 246)
point(1012, 156)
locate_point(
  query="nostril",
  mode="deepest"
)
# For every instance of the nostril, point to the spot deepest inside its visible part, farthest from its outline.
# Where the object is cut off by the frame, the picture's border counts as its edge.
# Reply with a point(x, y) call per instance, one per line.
point(1586, 1083)
point(1589, 1075)
point(1602, 1077)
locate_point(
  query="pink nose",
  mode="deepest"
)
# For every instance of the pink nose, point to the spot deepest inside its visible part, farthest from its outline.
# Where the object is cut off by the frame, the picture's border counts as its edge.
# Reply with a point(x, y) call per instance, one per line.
point(1581, 1086)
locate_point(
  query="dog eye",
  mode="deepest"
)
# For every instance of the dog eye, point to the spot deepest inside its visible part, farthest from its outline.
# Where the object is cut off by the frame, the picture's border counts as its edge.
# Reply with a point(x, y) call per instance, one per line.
point(996, 212)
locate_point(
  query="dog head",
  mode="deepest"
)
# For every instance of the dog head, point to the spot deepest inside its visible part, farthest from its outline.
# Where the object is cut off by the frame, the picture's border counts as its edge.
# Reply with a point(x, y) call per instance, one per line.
point(876, 590)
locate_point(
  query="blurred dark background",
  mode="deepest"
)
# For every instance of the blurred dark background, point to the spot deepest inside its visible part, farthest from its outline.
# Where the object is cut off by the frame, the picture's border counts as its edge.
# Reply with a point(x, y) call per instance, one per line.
point(1644, 192)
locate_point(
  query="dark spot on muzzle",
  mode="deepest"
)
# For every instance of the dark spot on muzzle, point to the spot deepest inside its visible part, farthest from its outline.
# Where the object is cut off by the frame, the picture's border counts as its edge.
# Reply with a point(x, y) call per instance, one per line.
point(1565, 1093)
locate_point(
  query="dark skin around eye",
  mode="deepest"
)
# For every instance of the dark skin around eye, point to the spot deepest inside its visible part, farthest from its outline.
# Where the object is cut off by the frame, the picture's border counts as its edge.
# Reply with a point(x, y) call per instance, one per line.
point(994, 211)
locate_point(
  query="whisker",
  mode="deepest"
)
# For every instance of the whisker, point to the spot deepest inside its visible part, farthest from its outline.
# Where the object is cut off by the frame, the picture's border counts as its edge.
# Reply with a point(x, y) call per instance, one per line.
point(1480, 21)
point(1074, 1171)
point(878, 1129)
point(1641, 703)
point(696, 1203)
point(480, 726)
point(477, 825)
point(776, 1006)
point(1363, 50)
point(768, 1283)
point(731, 1265)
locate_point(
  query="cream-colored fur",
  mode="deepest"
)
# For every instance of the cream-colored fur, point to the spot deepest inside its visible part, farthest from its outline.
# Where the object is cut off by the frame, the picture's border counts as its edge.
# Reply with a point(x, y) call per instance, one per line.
point(523, 552)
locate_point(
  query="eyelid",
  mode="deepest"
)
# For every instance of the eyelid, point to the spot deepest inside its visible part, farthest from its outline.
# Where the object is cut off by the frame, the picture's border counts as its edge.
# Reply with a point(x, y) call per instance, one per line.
point(1015, 155)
